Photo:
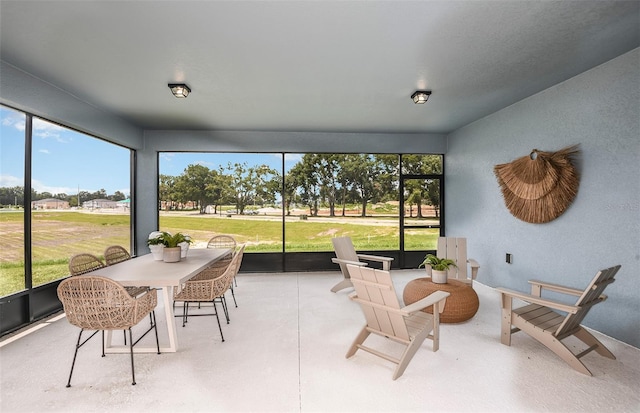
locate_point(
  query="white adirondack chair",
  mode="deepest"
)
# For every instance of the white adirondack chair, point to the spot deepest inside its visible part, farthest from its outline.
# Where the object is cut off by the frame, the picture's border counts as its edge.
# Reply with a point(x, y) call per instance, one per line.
point(550, 321)
point(407, 325)
point(346, 254)
point(456, 249)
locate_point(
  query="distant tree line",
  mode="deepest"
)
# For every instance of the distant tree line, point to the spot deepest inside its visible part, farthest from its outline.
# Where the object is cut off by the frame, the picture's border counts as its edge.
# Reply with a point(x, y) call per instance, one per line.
point(15, 196)
point(331, 181)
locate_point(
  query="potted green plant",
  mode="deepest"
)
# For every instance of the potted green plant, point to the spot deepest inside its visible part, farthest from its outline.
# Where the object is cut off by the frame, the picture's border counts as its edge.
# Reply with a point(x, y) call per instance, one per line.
point(172, 250)
point(156, 245)
point(437, 267)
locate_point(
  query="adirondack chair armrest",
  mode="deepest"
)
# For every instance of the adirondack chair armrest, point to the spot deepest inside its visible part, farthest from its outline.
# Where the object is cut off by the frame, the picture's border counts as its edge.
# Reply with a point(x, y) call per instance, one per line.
point(341, 261)
point(386, 261)
point(376, 258)
point(532, 299)
point(474, 267)
point(555, 287)
point(433, 298)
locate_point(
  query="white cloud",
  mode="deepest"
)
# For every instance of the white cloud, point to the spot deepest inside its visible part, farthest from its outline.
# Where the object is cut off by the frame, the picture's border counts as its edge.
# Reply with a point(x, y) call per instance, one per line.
point(9, 181)
point(41, 187)
point(205, 163)
point(46, 130)
point(44, 151)
point(15, 120)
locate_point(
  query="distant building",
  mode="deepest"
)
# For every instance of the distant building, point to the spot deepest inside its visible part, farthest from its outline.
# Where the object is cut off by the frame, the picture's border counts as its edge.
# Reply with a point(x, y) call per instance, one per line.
point(99, 203)
point(50, 203)
point(125, 203)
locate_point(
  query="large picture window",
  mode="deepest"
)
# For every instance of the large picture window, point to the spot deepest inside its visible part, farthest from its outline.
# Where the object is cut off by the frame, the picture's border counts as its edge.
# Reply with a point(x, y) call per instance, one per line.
point(298, 202)
point(79, 199)
point(205, 194)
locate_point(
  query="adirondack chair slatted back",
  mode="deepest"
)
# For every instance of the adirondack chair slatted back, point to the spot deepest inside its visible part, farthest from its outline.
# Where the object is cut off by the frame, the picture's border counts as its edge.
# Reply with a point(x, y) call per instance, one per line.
point(454, 249)
point(591, 296)
point(344, 249)
point(378, 299)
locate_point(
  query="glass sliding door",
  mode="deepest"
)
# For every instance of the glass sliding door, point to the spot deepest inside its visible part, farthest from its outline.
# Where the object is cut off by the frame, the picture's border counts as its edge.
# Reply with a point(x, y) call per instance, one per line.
point(421, 215)
point(422, 194)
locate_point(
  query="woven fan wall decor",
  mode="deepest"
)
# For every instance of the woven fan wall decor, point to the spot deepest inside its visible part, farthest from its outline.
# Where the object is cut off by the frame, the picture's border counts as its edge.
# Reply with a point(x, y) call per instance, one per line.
point(539, 187)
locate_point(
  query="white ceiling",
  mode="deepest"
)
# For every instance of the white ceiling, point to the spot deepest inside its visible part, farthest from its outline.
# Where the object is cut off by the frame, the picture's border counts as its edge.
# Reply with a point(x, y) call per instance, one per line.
point(332, 66)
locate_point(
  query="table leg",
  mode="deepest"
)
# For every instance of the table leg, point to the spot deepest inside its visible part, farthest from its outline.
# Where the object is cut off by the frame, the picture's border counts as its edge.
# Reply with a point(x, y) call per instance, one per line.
point(167, 294)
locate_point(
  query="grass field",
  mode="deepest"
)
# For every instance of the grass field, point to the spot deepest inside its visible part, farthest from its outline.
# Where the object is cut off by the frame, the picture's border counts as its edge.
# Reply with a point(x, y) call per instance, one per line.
point(57, 235)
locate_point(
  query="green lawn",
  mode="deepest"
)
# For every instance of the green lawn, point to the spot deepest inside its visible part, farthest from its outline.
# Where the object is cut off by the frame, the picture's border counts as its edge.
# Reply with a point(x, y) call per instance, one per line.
point(57, 235)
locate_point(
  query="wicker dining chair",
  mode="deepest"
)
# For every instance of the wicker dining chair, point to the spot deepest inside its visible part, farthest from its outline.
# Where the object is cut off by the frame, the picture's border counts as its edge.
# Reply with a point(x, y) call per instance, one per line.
point(115, 254)
point(83, 263)
point(99, 303)
point(209, 285)
point(225, 241)
point(236, 262)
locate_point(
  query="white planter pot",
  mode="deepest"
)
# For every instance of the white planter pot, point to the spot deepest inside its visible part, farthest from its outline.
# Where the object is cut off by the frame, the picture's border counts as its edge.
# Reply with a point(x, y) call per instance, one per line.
point(171, 254)
point(184, 248)
point(439, 277)
point(157, 251)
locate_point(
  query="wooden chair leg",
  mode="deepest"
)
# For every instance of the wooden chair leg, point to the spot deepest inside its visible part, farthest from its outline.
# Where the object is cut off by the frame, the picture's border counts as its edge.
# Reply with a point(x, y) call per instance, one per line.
point(505, 325)
point(588, 339)
point(362, 336)
point(346, 283)
point(408, 354)
point(564, 353)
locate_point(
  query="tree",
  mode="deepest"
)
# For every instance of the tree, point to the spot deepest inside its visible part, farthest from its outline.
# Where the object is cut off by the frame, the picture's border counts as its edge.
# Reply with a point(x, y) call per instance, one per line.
point(256, 185)
point(367, 176)
point(220, 189)
point(166, 191)
point(193, 185)
point(328, 168)
point(117, 196)
point(12, 196)
point(305, 180)
point(100, 194)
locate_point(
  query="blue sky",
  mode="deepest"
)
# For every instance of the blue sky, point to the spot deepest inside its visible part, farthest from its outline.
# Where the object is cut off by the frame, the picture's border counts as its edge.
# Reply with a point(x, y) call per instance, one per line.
point(65, 160)
point(174, 163)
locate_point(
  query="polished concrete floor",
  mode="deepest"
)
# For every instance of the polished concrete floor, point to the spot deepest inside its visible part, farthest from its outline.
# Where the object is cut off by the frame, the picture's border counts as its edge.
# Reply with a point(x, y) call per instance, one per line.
point(284, 352)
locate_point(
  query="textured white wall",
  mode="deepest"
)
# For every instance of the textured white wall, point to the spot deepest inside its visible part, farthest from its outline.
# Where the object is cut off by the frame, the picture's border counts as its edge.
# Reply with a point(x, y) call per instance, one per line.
point(600, 110)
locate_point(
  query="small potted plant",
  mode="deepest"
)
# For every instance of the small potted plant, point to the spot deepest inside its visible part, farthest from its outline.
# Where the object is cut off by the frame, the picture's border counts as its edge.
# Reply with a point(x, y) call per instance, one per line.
point(172, 250)
point(437, 268)
point(156, 245)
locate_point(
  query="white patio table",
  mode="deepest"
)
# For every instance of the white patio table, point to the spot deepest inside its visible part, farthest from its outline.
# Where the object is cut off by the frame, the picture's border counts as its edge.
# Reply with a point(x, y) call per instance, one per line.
point(144, 270)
